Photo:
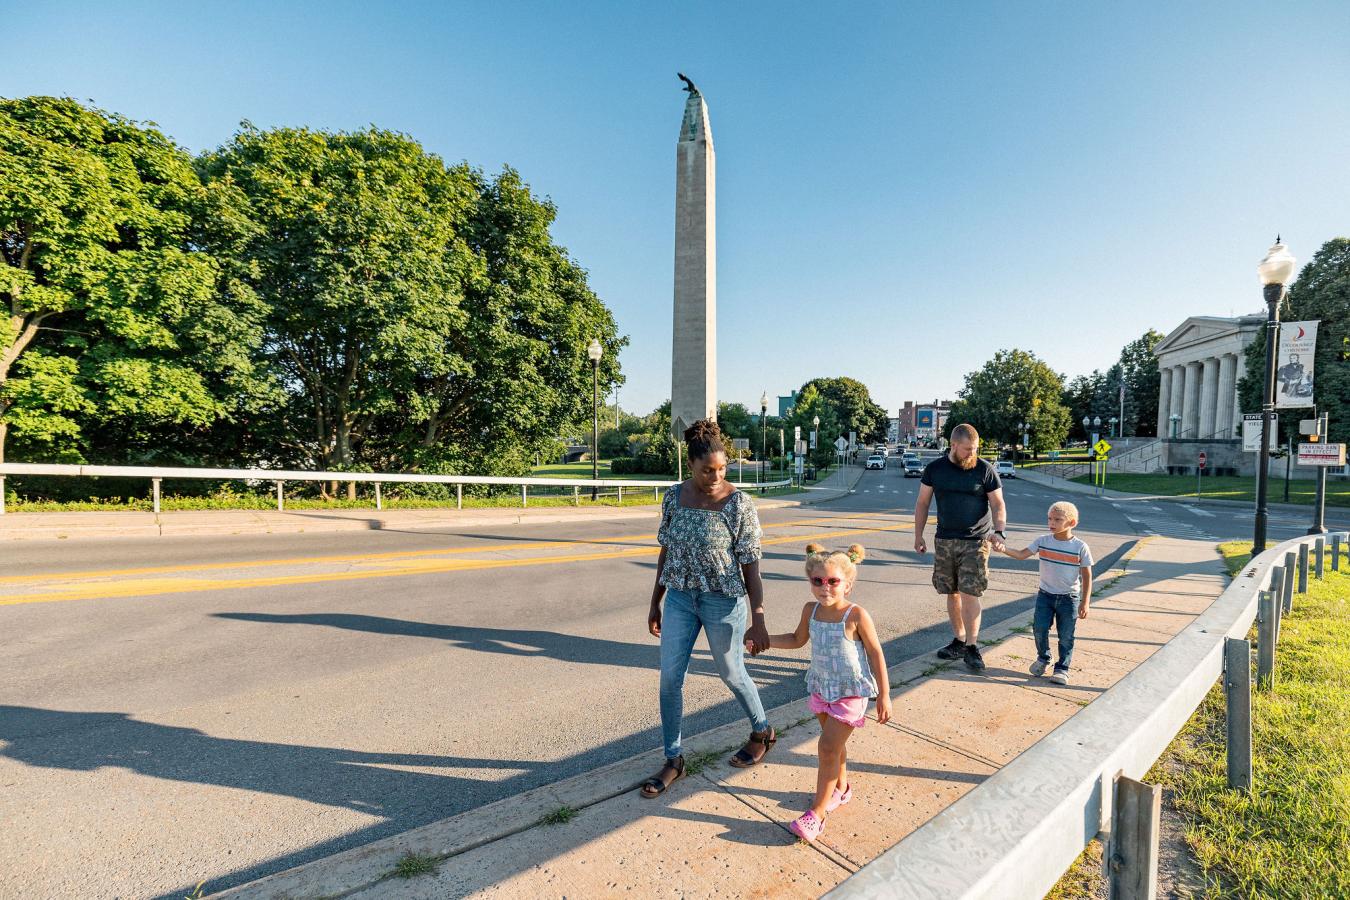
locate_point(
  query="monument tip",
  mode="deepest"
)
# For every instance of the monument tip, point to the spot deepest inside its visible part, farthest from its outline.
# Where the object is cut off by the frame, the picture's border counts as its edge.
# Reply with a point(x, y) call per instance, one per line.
point(688, 84)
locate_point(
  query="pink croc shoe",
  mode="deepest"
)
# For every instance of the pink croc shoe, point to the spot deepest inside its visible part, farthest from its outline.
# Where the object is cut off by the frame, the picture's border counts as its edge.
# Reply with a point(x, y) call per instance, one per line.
point(837, 799)
point(807, 826)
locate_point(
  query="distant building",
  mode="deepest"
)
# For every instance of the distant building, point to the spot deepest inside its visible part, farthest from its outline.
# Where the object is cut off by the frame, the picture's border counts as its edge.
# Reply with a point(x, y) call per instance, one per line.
point(921, 422)
point(786, 404)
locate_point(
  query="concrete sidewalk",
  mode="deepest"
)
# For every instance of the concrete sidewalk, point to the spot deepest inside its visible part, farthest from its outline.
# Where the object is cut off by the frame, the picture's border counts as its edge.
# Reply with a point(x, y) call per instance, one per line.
point(38, 526)
point(722, 831)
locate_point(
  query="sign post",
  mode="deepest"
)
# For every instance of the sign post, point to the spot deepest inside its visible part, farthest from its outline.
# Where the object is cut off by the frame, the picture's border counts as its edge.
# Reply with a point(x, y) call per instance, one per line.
point(1101, 448)
point(1322, 455)
point(1199, 470)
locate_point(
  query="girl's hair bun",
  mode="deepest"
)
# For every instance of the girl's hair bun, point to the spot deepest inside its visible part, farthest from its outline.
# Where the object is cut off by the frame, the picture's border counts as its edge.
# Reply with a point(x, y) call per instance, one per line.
point(856, 553)
point(813, 548)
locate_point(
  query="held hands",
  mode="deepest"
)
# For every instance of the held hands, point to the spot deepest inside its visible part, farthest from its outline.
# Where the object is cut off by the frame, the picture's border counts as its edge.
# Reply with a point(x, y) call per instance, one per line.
point(757, 638)
point(883, 708)
point(998, 543)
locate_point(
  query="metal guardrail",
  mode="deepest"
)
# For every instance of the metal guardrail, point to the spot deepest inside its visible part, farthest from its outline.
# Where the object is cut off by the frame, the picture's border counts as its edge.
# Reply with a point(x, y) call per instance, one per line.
point(1016, 834)
point(156, 474)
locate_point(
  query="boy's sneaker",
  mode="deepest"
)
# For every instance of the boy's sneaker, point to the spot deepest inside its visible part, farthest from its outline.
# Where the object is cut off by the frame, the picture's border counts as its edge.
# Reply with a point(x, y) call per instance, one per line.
point(974, 661)
point(807, 826)
point(1038, 667)
point(1061, 676)
point(955, 650)
point(837, 799)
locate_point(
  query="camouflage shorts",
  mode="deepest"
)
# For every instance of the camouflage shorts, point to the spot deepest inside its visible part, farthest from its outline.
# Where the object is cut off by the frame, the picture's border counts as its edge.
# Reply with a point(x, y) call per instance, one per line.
point(960, 565)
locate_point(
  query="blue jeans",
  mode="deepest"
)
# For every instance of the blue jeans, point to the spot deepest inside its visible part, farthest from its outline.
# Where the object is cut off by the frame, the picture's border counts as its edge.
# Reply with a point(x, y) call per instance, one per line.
point(724, 619)
point(1062, 610)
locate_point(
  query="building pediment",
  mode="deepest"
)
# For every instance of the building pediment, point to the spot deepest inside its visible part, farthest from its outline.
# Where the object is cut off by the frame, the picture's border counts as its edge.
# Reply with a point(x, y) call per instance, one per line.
point(1197, 331)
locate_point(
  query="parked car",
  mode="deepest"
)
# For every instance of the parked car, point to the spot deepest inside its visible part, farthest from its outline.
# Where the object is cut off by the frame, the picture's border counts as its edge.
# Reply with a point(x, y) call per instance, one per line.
point(1005, 469)
point(876, 461)
point(913, 467)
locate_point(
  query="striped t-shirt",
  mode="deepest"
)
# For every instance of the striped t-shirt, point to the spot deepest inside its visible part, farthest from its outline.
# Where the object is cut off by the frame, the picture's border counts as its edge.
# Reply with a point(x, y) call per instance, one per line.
point(1060, 561)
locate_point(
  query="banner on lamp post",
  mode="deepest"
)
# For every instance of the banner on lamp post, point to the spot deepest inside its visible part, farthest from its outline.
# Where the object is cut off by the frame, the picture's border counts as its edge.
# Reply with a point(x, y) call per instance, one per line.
point(1294, 365)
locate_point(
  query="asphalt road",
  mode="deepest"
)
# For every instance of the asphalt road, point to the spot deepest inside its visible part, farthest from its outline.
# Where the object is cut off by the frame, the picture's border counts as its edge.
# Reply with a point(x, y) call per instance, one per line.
point(219, 708)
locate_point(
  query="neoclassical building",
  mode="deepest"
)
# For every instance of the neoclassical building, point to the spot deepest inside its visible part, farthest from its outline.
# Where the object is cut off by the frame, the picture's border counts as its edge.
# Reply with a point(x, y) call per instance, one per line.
point(1200, 363)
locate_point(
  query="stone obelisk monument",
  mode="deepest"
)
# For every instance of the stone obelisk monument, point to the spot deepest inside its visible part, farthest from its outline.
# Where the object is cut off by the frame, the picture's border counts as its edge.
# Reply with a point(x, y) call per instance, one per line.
point(693, 389)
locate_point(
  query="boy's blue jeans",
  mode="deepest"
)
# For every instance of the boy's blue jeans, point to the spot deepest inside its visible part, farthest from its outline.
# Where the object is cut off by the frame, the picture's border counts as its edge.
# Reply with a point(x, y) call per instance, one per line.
point(1062, 610)
point(724, 619)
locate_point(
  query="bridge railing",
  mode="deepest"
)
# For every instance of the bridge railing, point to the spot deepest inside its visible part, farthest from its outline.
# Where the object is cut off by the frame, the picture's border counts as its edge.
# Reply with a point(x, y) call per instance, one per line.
point(156, 474)
point(1021, 829)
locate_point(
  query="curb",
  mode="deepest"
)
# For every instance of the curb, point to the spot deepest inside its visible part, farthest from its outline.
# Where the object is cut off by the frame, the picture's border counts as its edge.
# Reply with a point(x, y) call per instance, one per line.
point(348, 872)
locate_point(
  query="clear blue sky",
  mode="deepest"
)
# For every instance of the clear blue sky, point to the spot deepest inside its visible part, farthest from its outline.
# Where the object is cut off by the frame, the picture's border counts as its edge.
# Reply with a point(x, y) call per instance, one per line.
point(903, 189)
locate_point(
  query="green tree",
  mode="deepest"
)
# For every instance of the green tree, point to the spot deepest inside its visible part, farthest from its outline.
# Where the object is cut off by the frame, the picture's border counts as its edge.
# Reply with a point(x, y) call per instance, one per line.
point(1139, 371)
point(1081, 398)
point(1014, 387)
point(128, 333)
point(1321, 292)
point(419, 315)
point(843, 405)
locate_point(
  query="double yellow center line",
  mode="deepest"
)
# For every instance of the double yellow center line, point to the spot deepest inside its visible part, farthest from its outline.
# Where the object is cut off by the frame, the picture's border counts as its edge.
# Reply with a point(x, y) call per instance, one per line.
point(150, 581)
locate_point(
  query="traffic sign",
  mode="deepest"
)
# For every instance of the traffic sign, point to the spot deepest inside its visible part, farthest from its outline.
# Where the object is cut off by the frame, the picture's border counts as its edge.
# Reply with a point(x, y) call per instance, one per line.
point(1203, 457)
point(1102, 448)
point(1310, 454)
point(840, 444)
point(1251, 432)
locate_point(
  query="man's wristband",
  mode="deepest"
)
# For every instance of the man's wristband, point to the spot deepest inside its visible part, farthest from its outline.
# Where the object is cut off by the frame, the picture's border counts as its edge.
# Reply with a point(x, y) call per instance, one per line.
point(1000, 533)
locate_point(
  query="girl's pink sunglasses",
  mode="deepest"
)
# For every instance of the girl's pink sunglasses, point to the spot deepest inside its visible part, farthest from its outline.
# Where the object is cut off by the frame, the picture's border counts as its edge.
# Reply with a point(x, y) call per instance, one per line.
point(821, 582)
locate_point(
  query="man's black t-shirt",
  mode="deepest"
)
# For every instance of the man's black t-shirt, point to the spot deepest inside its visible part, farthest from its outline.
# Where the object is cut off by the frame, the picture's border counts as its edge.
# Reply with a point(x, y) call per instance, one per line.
point(962, 497)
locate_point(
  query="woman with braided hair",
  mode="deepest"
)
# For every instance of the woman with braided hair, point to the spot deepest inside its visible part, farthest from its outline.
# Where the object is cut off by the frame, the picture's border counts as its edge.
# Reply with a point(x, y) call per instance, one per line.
point(708, 575)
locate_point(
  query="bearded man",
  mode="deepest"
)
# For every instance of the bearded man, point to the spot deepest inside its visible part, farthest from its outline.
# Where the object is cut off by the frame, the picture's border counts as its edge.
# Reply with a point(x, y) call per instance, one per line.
point(971, 519)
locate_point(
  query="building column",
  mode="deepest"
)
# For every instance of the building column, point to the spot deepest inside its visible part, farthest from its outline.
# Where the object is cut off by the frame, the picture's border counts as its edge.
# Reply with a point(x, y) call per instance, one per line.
point(1224, 418)
point(1164, 399)
point(1209, 397)
point(1190, 404)
point(1174, 406)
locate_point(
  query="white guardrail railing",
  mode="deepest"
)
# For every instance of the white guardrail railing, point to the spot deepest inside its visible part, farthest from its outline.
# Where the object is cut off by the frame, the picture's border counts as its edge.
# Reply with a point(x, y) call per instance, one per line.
point(279, 477)
point(1016, 834)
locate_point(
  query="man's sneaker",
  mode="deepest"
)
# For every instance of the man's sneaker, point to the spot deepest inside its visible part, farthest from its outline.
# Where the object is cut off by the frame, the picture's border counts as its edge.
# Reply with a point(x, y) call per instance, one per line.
point(1038, 667)
point(1061, 676)
point(807, 826)
point(837, 799)
point(955, 650)
point(973, 660)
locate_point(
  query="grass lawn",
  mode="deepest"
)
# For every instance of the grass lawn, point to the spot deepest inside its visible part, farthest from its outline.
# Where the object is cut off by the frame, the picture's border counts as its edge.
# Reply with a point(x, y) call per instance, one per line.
point(1291, 836)
point(1226, 487)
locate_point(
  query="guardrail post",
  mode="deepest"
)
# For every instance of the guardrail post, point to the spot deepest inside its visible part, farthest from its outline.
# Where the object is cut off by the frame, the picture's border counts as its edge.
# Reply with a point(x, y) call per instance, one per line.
point(524, 495)
point(576, 495)
point(1335, 538)
point(1287, 592)
point(1303, 568)
point(1320, 545)
point(1136, 812)
point(379, 501)
point(1267, 633)
point(620, 495)
point(459, 496)
point(1237, 689)
point(154, 493)
point(281, 502)
point(1276, 584)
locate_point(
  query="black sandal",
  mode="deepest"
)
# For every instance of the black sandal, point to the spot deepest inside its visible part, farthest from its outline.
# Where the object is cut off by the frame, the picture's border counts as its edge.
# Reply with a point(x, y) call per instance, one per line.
point(671, 772)
point(744, 758)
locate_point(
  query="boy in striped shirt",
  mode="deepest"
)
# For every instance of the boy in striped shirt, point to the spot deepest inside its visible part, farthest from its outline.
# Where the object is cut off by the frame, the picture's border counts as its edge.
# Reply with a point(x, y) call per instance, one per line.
point(1066, 564)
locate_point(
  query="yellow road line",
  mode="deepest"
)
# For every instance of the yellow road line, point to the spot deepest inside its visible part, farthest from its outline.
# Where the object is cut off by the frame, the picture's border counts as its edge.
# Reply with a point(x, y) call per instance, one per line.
point(369, 557)
point(144, 588)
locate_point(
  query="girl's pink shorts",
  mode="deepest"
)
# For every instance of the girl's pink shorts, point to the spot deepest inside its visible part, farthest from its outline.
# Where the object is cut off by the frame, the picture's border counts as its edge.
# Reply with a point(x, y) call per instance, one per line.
point(849, 710)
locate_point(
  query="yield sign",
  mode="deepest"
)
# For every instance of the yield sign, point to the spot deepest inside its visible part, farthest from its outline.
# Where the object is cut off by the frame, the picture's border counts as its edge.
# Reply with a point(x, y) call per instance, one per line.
point(840, 444)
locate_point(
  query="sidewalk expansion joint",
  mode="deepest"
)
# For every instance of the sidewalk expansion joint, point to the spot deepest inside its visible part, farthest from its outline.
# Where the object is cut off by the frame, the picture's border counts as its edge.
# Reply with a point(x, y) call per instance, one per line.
point(830, 854)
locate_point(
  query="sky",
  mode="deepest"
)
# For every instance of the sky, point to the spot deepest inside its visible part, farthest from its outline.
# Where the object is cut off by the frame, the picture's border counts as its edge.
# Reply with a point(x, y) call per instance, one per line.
point(902, 188)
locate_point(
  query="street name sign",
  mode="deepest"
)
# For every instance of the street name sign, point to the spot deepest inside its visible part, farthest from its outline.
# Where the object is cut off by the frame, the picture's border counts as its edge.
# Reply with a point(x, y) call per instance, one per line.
point(1310, 454)
point(1251, 432)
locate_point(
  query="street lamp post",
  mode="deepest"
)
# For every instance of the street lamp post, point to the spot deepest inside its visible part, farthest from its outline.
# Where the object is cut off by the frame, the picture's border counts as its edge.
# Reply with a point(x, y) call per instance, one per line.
point(1114, 420)
point(1274, 271)
point(763, 428)
point(1175, 420)
point(594, 352)
point(1087, 422)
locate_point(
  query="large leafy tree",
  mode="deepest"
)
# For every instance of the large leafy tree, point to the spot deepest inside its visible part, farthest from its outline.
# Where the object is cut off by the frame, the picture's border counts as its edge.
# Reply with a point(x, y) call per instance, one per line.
point(1322, 292)
point(843, 405)
point(420, 316)
point(128, 329)
point(1138, 369)
point(1013, 388)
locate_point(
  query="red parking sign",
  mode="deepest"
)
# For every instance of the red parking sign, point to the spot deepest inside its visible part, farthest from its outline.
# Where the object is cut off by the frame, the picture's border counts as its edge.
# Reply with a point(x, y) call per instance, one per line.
point(1202, 459)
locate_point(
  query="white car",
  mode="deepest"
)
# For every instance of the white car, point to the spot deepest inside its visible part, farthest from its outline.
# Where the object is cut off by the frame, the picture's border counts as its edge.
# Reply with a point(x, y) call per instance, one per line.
point(1005, 469)
point(876, 461)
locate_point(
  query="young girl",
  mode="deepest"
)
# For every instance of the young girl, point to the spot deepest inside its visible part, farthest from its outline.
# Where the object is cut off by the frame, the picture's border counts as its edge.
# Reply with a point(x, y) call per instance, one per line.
point(841, 677)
